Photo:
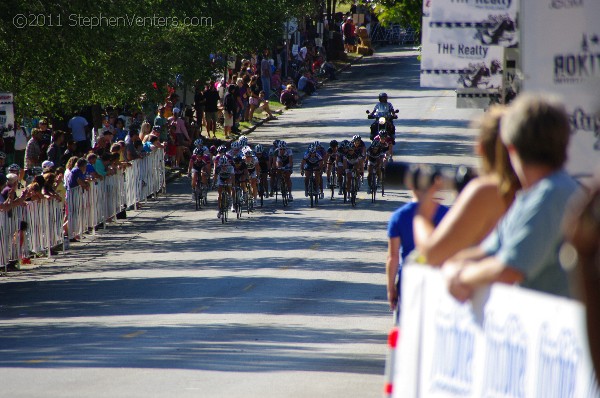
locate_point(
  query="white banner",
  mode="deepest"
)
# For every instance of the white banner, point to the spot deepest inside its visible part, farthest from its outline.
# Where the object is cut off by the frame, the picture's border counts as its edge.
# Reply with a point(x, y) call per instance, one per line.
point(475, 22)
point(507, 342)
point(7, 113)
point(561, 55)
point(458, 64)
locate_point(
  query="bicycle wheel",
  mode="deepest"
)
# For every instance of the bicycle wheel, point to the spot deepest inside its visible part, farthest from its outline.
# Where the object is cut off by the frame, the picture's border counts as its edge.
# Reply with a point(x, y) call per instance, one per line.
point(197, 197)
point(284, 192)
point(353, 190)
point(238, 203)
point(205, 195)
point(372, 185)
point(223, 208)
point(261, 191)
point(381, 182)
point(333, 181)
point(311, 189)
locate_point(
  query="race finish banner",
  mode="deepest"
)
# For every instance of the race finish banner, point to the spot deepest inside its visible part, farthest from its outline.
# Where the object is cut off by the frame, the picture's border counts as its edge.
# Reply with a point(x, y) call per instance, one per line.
point(506, 342)
point(561, 55)
point(472, 22)
point(459, 63)
point(7, 113)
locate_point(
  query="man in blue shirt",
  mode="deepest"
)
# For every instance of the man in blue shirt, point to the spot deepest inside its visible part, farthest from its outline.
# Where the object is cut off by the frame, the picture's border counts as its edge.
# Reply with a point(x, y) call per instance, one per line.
point(524, 246)
point(78, 126)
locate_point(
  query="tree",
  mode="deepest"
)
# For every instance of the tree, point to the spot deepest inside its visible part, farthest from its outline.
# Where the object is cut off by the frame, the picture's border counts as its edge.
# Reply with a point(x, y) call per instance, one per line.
point(404, 12)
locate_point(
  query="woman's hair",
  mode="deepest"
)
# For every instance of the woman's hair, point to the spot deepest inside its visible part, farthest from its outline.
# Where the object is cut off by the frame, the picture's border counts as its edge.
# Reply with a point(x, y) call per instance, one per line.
point(494, 153)
point(146, 126)
point(71, 162)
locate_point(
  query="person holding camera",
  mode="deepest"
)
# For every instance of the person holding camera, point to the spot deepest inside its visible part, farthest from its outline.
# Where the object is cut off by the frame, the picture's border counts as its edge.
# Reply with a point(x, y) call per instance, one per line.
point(524, 246)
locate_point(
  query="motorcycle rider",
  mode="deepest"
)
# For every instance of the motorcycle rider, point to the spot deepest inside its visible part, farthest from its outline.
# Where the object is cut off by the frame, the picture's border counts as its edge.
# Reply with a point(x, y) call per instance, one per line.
point(383, 109)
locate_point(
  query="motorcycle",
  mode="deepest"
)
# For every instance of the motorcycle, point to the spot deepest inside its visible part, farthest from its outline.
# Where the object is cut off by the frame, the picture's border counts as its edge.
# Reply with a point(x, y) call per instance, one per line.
point(383, 123)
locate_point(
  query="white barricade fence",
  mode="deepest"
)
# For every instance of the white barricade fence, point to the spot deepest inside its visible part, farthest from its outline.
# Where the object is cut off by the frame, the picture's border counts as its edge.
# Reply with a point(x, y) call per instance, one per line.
point(506, 342)
point(85, 209)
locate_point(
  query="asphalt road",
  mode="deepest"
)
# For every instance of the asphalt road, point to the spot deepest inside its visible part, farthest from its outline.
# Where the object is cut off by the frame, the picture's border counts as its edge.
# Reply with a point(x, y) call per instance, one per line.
point(285, 302)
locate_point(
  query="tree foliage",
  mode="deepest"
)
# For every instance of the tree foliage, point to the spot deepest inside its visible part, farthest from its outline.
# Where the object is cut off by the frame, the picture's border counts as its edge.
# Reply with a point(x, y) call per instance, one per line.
point(58, 62)
point(404, 12)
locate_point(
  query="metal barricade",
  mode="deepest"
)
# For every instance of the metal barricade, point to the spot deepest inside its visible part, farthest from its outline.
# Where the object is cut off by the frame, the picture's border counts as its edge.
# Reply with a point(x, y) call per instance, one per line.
point(38, 226)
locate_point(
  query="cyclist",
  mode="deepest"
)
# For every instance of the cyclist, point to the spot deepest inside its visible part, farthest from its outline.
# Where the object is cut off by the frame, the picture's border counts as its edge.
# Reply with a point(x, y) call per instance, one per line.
point(311, 163)
point(322, 152)
point(284, 163)
point(265, 167)
point(273, 150)
point(330, 158)
point(253, 167)
point(375, 156)
point(387, 146)
point(224, 172)
point(200, 162)
point(352, 161)
point(361, 148)
point(243, 140)
point(240, 172)
point(342, 151)
point(236, 149)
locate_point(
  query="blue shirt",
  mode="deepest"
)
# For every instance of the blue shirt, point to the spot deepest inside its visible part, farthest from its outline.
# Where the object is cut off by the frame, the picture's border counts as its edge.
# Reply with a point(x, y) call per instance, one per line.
point(529, 236)
point(77, 125)
point(401, 225)
point(72, 178)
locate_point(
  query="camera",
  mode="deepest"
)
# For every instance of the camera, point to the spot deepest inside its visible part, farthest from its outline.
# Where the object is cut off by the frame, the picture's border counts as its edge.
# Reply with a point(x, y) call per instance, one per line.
point(421, 177)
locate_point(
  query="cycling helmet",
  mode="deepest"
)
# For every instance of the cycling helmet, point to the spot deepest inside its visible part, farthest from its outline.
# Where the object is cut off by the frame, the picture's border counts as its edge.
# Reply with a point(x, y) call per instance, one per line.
point(236, 145)
point(346, 143)
point(14, 168)
point(258, 148)
point(222, 149)
point(333, 143)
point(243, 140)
point(2, 155)
point(276, 143)
point(317, 144)
point(198, 142)
point(356, 138)
point(246, 148)
point(205, 149)
point(197, 151)
point(237, 160)
point(312, 149)
point(282, 145)
point(383, 97)
point(249, 153)
point(223, 161)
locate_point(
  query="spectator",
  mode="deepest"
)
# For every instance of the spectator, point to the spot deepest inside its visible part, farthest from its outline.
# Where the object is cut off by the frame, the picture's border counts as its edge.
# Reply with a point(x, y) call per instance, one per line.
point(151, 145)
point(33, 152)
point(265, 73)
point(307, 84)
point(242, 99)
point(222, 89)
point(170, 104)
point(229, 110)
point(59, 183)
point(21, 138)
point(120, 132)
point(70, 165)
point(328, 68)
point(104, 143)
point(131, 150)
point(289, 97)
point(172, 154)
point(199, 104)
point(254, 91)
point(401, 241)
point(3, 203)
point(69, 152)
point(106, 126)
point(349, 33)
point(145, 131)
point(94, 169)
point(78, 127)
point(47, 166)
point(161, 122)
point(2, 162)
point(524, 246)
point(211, 109)
point(55, 150)
point(77, 176)
point(275, 83)
point(8, 193)
point(263, 106)
point(47, 184)
point(181, 133)
point(485, 199)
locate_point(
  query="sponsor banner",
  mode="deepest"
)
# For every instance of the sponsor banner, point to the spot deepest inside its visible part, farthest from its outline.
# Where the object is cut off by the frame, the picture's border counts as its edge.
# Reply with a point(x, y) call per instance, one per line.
point(484, 22)
point(506, 342)
point(561, 54)
point(456, 64)
point(7, 113)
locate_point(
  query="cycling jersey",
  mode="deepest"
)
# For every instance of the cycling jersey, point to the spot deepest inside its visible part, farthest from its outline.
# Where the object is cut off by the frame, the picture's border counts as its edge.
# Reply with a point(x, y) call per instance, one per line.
point(284, 158)
point(374, 154)
point(251, 165)
point(199, 162)
point(352, 159)
point(224, 173)
point(312, 162)
point(332, 155)
point(263, 161)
